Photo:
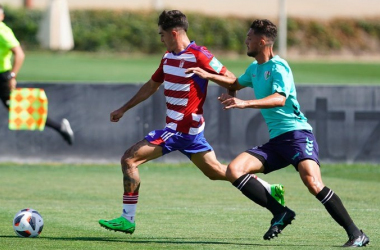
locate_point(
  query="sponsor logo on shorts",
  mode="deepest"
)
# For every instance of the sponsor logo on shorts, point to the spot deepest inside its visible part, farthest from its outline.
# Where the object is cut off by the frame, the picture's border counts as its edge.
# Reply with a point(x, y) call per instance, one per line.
point(151, 134)
point(295, 156)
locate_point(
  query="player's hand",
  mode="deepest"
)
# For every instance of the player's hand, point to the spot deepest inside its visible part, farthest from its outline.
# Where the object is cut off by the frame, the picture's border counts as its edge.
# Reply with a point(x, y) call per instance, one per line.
point(12, 83)
point(198, 71)
point(116, 115)
point(230, 102)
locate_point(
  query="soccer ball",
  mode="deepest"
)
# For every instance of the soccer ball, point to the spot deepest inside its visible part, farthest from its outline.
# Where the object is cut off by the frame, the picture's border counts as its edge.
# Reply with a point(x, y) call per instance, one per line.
point(28, 223)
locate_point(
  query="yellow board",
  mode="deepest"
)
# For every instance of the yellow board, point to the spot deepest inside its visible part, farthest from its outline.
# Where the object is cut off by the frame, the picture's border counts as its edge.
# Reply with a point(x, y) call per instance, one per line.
point(28, 109)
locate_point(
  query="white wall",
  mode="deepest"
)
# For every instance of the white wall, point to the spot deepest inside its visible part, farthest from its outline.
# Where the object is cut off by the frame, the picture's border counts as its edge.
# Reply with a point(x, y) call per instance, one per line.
point(248, 8)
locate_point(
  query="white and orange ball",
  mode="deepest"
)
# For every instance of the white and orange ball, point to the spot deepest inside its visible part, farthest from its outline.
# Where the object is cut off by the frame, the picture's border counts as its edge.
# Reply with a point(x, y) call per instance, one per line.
point(28, 223)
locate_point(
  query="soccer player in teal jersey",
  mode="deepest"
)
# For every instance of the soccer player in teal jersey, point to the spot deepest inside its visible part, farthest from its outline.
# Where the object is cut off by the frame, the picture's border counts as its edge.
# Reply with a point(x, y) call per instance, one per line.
point(275, 76)
point(10, 46)
point(291, 138)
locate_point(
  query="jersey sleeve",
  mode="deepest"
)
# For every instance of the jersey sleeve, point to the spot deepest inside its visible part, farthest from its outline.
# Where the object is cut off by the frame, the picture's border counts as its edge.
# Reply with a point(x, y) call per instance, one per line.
point(8, 39)
point(159, 76)
point(282, 80)
point(245, 79)
point(208, 62)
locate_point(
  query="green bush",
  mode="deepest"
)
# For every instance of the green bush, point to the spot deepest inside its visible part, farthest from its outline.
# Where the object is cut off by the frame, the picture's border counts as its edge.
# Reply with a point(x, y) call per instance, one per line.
point(371, 27)
point(24, 24)
point(115, 31)
point(126, 31)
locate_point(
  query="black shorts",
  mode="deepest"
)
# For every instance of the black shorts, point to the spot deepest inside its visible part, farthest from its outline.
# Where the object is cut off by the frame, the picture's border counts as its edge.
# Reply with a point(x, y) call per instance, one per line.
point(5, 90)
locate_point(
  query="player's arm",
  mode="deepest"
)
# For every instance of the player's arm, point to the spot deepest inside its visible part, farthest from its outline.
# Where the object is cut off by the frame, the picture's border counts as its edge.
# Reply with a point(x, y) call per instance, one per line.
point(18, 60)
point(232, 88)
point(271, 101)
point(228, 80)
point(148, 89)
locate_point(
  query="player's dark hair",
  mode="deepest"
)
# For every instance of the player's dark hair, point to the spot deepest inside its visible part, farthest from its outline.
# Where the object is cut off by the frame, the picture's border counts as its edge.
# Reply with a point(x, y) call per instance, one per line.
point(264, 27)
point(173, 19)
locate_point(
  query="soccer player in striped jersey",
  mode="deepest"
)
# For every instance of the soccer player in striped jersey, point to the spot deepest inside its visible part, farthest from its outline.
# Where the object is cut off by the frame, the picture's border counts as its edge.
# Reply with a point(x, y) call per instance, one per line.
point(185, 95)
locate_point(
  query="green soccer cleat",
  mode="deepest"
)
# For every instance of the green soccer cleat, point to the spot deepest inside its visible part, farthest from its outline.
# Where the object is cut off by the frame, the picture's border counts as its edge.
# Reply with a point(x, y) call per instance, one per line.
point(277, 192)
point(120, 224)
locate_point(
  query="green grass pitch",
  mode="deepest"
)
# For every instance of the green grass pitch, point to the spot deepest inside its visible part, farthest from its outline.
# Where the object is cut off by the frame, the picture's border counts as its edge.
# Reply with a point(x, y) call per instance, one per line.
point(103, 68)
point(178, 208)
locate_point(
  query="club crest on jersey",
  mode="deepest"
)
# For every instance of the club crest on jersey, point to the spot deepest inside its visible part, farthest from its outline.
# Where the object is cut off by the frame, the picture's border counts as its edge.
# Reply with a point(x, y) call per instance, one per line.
point(267, 75)
point(216, 65)
point(181, 63)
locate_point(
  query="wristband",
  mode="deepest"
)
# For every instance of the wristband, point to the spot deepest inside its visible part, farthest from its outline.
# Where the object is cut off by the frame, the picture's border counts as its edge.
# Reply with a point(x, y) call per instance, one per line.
point(13, 74)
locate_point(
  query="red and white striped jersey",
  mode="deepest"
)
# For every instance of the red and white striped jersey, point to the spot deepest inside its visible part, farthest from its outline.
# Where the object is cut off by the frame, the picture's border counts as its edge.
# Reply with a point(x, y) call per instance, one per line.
point(186, 93)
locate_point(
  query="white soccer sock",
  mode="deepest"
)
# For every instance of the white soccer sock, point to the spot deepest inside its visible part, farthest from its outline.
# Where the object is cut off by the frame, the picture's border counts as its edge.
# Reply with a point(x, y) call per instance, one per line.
point(129, 212)
point(129, 205)
point(264, 183)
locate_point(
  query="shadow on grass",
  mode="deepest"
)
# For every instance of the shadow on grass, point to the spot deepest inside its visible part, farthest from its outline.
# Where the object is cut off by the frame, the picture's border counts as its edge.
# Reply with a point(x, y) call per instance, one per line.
point(176, 241)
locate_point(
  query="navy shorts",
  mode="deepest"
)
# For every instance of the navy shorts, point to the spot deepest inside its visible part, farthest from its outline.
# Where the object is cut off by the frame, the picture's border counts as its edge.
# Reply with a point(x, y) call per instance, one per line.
point(171, 140)
point(285, 149)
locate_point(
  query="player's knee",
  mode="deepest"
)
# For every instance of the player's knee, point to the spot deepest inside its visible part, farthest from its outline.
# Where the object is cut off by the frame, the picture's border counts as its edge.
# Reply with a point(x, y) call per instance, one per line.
point(127, 163)
point(314, 186)
point(232, 172)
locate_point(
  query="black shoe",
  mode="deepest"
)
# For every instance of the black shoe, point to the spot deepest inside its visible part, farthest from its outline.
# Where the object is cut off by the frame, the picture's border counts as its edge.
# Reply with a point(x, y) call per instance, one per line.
point(359, 241)
point(66, 132)
point(279, 222)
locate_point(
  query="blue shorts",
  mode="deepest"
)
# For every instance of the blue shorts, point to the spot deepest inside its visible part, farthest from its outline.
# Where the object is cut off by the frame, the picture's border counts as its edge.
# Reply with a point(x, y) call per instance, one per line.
point(288, 148)
point(171, 140)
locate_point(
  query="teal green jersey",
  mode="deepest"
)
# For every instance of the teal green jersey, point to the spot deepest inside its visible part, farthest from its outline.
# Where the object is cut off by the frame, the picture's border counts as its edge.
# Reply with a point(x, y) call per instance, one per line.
point(7, 42)
point(267, 79)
